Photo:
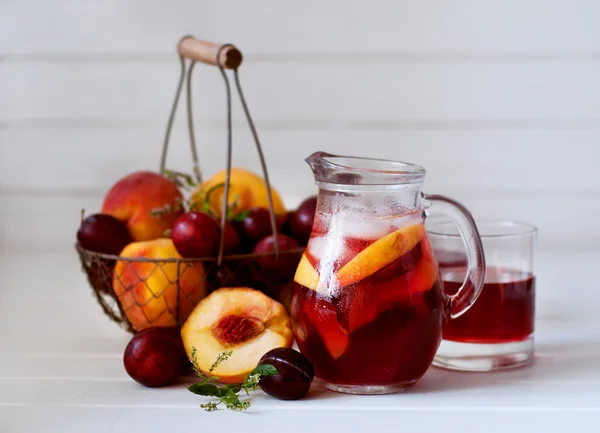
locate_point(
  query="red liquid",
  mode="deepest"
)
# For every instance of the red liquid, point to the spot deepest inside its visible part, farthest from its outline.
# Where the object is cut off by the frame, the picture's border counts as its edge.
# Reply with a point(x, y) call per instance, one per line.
point(381, 330)
point(503, 312)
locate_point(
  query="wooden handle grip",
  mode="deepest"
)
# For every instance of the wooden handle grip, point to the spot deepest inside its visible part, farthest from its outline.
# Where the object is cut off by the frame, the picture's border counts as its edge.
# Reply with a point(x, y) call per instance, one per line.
point(206, 52)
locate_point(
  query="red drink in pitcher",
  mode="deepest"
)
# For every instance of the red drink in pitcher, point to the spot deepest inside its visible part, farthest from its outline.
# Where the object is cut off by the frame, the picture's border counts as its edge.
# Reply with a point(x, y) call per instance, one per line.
point(368, 307)
point(367, 304)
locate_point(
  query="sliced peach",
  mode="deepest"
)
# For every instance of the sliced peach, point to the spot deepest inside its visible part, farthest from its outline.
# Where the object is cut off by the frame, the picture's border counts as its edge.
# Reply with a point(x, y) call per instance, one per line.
point(323, 315)
point(307, 275)
point(361, 304)
point(419, 280)
point(355, 308)
point(379, 254)
point(241, 320)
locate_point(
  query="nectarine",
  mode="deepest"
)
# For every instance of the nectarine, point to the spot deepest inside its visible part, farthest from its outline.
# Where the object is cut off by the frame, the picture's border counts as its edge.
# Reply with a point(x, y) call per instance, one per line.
point(148, 292)
point(132, 199)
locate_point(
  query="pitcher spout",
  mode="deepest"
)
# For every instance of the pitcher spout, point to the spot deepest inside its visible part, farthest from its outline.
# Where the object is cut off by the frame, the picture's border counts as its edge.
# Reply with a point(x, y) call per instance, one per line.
point(318, 162)
point(350, 170)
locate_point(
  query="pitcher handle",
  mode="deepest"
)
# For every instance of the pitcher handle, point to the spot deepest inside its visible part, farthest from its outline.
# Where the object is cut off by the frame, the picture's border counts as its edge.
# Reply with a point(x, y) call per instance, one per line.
point(475, 275)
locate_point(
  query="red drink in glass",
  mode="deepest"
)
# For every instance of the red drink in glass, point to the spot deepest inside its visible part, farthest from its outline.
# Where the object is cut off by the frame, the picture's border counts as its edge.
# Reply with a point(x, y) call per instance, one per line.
point(504, 311)
point(497, 331)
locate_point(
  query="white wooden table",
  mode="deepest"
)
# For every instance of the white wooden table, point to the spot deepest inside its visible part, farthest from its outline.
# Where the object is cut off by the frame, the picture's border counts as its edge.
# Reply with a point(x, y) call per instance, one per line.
point(61, 369)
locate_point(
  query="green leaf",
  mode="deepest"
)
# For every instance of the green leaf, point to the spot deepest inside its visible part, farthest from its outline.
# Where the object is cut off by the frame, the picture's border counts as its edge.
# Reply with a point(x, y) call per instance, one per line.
point(241, 216)
point(235, 388)
point(227, 394)
point(265, 370)
point(207, 389)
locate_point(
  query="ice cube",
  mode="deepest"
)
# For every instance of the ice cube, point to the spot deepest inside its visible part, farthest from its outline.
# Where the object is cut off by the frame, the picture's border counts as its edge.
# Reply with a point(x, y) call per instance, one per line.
point(315, 246)
point(368, 229)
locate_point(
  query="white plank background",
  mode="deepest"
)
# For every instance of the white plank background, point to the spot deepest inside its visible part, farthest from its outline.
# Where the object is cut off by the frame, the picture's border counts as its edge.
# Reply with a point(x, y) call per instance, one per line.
point(498, 99)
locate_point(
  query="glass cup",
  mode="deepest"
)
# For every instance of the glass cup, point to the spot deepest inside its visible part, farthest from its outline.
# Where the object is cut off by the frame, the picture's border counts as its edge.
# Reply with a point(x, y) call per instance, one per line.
point(497, 331)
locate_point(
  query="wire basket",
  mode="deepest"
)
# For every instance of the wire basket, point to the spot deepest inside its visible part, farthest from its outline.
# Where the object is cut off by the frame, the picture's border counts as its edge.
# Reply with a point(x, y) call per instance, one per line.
point(141, 292)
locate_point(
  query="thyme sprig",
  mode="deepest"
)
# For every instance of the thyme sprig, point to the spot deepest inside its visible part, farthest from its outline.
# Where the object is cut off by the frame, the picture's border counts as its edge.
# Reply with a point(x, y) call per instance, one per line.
point(226, 394)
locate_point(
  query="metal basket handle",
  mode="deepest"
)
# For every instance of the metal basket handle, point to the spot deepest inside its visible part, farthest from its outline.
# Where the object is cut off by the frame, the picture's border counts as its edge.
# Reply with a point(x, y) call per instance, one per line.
point(225, 56)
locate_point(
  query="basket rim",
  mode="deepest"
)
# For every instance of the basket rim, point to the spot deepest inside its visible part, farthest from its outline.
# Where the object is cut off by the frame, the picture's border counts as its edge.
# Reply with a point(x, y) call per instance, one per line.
point(91, 253)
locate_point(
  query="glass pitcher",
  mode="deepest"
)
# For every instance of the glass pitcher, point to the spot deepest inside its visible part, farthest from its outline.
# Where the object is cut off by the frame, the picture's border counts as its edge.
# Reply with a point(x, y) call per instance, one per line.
point(367, 304)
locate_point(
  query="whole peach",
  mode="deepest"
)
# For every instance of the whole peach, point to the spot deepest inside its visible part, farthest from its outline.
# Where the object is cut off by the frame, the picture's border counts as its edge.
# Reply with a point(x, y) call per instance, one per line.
point(148, 292)
point(246, 190)
point(132, 199)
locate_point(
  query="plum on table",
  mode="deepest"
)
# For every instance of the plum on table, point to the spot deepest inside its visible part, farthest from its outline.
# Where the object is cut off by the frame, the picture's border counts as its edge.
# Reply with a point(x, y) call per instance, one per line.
point(295, 374)
point(155, 357)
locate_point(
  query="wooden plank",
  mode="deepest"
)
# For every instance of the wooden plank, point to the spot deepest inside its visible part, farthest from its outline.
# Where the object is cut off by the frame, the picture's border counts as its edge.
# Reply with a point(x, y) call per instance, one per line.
point(51, 328)
point(463, 390)
point(367, 94)
point(143, 27)
point(494, 162)
point(50, 222)
point(98, 367)
point(152, 420)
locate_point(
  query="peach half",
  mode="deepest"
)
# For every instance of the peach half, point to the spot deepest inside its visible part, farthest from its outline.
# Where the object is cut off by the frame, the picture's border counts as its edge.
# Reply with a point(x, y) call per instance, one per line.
point(241, 320)
point(379, 254)
point(148, 291)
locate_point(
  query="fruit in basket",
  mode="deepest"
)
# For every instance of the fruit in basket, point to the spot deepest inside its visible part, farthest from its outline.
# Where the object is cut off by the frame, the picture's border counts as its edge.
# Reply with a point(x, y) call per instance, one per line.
point(148, 291)
point(256, 225)
point(155, 357)
point(276, 269)
point(241, 320)
point(134, 198)
point(103, 233)
point(231, 273)
point(246, 190)
point(294, 375)
point(301, 220)
point(232, 238)
point(196, 235)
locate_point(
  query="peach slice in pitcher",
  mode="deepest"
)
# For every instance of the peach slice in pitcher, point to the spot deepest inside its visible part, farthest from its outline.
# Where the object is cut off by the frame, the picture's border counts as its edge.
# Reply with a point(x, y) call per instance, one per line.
point(379, 254)
point(360, 304)
point(306, 275)
point(322, 314)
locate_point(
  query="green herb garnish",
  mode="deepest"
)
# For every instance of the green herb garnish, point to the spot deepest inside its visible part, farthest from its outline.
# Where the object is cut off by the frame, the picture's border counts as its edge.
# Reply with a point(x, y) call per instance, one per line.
point(226, 394)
